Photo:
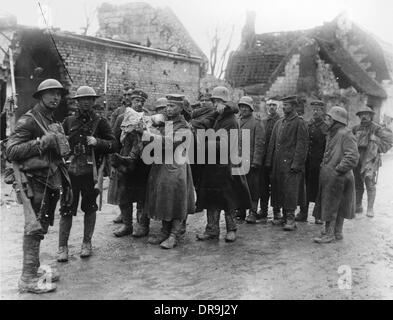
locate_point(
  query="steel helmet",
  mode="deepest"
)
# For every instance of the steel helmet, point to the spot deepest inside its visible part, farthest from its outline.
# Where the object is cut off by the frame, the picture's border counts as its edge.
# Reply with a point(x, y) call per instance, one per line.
point(49, 84)
point(365, 109)
point(85, 91)
point(161, 103)
point(339, 114)
point(220, 93)
point(246, 100)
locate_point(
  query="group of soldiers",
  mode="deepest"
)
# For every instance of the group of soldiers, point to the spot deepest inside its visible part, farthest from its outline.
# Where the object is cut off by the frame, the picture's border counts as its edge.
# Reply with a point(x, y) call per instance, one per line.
point(292, 163)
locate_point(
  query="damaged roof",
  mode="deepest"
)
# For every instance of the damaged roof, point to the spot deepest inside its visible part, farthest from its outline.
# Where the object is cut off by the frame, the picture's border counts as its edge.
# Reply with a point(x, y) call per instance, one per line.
point(336, 55)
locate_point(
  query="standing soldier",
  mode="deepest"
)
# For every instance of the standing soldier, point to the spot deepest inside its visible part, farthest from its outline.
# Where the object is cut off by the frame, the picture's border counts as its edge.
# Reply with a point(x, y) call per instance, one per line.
point(287, 156)
point(33, 147)
point(126, 102)
point(265, 183)
point(257, 153)
point(90, 137)
point(317, 133)
point(170, 191)
point(336, 199)
point(372, 140)
point(131, 183)
point(219, 189)
point(113, 190)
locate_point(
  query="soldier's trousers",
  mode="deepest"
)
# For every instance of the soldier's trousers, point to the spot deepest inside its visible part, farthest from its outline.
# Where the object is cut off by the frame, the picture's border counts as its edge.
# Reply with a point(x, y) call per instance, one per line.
point(265, 192)
point(81, 186)
point(44, 205)
point(360, 181)
point(213, 221)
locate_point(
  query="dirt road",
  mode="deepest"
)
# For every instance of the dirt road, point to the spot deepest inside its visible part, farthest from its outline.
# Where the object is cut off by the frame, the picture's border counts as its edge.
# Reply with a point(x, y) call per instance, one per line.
point(264, 263)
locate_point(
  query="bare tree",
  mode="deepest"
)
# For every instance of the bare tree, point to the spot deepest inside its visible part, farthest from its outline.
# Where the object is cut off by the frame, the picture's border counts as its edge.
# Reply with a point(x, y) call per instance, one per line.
point(220, 43)
point(90, 14)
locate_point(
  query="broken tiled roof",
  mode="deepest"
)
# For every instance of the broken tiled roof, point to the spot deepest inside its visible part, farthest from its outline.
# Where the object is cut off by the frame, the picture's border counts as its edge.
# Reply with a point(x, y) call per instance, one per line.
point(340, 58)
point(247, 68)
point(278, 42)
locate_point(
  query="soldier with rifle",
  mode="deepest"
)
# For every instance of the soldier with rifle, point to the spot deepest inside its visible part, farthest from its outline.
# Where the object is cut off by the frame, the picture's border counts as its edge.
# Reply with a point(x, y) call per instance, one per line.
point(36, 148)
point(90, 138)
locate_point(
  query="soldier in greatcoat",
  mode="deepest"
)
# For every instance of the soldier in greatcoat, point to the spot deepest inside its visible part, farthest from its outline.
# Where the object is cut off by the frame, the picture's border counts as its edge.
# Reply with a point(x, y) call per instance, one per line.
point(265, 183)
point(132, 177)
point(170, 191)
point(219, 188)
point(317, 134)
point(287, 156)
point(336, 192)
point(256, 152)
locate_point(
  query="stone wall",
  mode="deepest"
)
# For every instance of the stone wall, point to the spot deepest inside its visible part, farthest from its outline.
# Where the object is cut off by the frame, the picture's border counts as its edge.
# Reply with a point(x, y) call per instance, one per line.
point(141, 23)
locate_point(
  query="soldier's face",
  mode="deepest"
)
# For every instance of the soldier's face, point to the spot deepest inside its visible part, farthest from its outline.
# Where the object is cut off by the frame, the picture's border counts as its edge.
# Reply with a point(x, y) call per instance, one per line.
point(86, 103)
point(365, 117)
point(317, 112)
point(245, 110)
point(206, 103)
point(137, 104)
point(329, 121)
point(272, 108)
point(288, 108)
point(173, 110)
point(127, 99)
point(160, 110)
point(51, 98)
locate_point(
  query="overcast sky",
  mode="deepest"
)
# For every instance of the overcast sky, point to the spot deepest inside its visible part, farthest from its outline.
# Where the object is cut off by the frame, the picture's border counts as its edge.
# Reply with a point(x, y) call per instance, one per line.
point(201, 16)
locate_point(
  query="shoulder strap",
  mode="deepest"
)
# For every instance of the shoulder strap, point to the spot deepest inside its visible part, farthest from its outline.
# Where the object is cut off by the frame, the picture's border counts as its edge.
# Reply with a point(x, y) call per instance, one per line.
point(29, 113)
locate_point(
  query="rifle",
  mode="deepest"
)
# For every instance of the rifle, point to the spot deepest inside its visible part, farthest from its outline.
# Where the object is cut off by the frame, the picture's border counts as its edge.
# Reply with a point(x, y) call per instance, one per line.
point(32, 225)
point(12, 102)
point(100, 174)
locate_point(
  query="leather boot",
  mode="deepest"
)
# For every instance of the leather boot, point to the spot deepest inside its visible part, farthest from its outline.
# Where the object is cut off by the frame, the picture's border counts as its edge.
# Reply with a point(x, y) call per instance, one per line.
point(143, 226)
point(338, 230)
point(230, 226)
point(49, 272)
point(252, 215)
point(30, 280)
point(126, 217)
point(278, 218)
point(359, 198)
point(89, 224)
point(241, 215)
point(86, 250)
point(371, 192)
point(163, 235)
point(172, 240)
point(329, 235)
point(303, 214)
point(183, 226)
point(290, 223)
point(212, 230)
point(118, 218)
point(64, 233)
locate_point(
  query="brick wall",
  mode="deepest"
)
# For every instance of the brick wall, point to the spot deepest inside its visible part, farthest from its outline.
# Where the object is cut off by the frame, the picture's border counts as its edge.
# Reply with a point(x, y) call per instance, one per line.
point(157, 75)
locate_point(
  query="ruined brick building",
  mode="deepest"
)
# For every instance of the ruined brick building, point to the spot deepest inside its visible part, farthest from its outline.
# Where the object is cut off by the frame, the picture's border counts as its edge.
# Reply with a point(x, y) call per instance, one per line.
point(165, 62)
point(337, 62)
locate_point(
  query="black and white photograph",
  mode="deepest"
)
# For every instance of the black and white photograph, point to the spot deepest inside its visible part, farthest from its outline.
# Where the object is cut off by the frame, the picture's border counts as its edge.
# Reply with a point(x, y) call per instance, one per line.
point(196, 154)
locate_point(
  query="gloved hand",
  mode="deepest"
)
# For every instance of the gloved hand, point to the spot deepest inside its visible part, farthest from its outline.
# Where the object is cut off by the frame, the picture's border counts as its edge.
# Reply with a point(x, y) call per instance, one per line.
point(48, 141)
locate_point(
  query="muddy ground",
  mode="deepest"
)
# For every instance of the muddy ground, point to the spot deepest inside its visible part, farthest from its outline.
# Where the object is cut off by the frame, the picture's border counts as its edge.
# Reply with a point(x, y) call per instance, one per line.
point(264, 263)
